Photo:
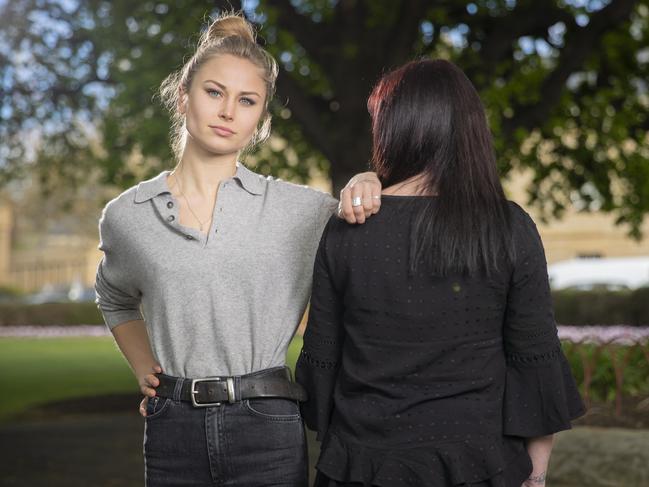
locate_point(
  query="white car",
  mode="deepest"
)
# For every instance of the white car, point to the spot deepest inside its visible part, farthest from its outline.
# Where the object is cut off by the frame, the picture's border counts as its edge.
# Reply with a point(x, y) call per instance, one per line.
point(609, 273)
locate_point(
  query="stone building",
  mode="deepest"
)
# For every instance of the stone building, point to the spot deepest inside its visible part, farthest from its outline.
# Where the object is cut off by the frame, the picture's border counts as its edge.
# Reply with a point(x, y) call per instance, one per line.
point(58, 260)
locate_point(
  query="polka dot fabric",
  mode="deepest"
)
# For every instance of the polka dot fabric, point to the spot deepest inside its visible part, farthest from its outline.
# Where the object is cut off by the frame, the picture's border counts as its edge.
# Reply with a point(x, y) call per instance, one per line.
point(427, 380)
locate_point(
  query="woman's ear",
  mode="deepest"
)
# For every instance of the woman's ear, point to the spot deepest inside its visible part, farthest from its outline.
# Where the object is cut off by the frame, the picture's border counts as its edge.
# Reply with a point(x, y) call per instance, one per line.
point(182, 100)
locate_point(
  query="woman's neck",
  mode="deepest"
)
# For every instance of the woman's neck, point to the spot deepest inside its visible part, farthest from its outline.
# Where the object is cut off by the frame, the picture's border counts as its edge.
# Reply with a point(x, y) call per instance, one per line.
point(201, 174)
point(413, 186)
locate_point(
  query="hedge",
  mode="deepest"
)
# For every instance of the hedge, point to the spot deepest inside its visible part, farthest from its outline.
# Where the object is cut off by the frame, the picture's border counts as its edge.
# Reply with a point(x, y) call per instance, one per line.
point(574, 308)
point(14, 314)
point(601, 307)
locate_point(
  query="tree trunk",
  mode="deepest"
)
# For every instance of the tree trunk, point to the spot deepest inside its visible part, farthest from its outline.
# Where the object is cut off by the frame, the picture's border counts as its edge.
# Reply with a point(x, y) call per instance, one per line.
point(352, 157)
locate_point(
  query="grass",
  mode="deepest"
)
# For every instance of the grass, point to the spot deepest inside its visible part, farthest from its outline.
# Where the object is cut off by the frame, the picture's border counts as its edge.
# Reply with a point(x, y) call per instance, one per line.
point(41, 370)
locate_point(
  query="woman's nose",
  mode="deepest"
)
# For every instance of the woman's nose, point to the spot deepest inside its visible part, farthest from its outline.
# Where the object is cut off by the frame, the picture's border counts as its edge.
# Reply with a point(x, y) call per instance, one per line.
point(227, 111)
point(225, 114)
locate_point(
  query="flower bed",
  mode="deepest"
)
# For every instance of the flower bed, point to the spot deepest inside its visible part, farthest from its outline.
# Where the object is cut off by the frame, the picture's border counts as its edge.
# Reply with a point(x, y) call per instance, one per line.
point(609, 362)
point(54, 331)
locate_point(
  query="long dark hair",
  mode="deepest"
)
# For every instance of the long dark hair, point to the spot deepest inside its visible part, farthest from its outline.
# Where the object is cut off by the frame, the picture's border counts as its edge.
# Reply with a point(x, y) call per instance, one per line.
point(428, 120)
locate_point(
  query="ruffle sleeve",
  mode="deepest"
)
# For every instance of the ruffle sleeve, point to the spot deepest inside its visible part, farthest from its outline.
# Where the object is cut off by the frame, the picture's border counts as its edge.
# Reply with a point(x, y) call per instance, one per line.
point(541, 396)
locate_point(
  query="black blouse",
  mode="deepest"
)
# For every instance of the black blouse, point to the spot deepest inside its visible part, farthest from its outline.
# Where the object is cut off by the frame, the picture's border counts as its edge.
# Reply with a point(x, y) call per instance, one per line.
point(423, 380)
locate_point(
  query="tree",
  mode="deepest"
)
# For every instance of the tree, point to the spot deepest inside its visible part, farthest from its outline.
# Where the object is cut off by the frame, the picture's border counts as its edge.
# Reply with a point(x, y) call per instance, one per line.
point(564, 84)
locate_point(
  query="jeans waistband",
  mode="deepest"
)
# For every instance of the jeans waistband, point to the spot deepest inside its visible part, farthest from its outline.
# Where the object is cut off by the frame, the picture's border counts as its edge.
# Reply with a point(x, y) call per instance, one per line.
point(271, 382)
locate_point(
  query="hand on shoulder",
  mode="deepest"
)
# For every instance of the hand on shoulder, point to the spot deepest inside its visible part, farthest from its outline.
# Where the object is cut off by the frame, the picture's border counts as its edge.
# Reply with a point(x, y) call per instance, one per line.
point(360, 198)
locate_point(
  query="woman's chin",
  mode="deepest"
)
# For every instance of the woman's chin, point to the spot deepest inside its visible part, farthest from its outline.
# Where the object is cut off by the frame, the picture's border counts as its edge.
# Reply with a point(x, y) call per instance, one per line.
point(219, 149)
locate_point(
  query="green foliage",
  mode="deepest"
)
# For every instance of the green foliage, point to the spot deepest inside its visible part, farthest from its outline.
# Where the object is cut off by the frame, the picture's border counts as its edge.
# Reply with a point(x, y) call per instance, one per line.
point(10, 292)
point(601, 307)
point(564, 85)
point(59, 314)
point(574, 308)
point(602, 387)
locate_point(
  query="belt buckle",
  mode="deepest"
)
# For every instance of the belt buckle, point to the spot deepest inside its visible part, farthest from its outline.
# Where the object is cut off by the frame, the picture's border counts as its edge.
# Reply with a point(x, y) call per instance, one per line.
point(230, 388)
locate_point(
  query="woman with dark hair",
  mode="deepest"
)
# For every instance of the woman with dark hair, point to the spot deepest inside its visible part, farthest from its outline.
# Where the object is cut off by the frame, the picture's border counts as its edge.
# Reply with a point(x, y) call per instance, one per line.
point(431, 355)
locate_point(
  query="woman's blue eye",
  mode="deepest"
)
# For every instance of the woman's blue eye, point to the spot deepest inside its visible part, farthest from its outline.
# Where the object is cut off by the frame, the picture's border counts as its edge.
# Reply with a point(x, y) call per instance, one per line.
point(212, 92)
point(247, 101)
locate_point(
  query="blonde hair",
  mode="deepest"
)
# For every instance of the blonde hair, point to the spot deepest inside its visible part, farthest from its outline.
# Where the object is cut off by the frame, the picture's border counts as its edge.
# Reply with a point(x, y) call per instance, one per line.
point(228, 34)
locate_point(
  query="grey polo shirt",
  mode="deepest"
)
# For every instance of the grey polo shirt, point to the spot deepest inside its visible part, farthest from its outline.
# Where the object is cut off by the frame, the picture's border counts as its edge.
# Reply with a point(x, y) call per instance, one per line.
point(225, 303)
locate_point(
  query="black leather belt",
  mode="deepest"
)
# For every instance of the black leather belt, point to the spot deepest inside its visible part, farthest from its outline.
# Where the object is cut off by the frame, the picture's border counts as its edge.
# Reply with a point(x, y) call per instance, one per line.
point(213, 391)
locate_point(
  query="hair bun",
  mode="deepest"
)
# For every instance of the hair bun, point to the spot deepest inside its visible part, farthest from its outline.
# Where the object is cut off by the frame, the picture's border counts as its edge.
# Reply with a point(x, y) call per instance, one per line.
point(226, 26)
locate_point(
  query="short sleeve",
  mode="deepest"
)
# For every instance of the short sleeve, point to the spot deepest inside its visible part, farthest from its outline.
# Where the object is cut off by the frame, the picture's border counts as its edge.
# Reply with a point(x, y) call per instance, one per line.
point(541, 396)
point(319, 361)
point(117, 296)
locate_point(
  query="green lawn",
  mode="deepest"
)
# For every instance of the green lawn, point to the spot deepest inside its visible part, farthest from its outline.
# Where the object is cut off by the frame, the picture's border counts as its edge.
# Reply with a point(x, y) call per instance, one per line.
point(38, 371)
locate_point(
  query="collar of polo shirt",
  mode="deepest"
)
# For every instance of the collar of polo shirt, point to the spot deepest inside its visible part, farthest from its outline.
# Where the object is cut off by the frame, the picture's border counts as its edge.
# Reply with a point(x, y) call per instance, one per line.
point(252, 182)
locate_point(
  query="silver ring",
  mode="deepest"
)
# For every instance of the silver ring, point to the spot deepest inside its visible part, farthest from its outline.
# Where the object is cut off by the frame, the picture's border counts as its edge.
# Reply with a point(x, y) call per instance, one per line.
point(357, 201)
point(376, 197)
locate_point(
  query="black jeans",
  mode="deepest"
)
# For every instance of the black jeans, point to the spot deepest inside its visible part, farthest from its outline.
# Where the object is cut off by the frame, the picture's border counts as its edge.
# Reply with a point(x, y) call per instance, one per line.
point(254, 442)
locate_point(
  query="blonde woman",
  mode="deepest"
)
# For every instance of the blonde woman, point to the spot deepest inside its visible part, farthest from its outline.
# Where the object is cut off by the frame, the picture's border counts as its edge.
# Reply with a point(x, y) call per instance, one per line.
point(206, 273)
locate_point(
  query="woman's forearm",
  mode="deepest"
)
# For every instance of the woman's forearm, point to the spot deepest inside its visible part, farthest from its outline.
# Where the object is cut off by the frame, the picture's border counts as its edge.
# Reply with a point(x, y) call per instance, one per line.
point(539, 450)
point(133, 340)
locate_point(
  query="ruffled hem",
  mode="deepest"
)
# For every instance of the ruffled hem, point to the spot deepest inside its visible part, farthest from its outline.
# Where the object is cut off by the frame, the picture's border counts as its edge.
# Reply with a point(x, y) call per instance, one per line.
point(540, 399)
point(457, 463)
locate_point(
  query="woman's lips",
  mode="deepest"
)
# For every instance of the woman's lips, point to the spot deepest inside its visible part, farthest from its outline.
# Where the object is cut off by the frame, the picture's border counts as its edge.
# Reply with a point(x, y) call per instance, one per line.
point(222, 131)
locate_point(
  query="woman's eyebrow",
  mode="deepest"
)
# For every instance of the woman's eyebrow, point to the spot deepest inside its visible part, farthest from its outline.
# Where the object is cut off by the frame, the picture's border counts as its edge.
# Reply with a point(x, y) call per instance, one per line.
point(225, 88)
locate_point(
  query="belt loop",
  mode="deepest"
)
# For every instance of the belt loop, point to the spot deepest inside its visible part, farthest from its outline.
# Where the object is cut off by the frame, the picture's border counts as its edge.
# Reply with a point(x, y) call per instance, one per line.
point(178, 388)
point(237, 387)
point(230, 384)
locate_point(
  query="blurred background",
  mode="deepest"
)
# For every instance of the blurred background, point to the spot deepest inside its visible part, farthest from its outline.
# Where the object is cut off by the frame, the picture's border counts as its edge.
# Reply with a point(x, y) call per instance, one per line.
point(565, 87)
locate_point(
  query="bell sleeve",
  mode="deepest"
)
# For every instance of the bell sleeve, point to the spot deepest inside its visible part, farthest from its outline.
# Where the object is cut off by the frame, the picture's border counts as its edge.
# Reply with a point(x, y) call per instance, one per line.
point(541, 396)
